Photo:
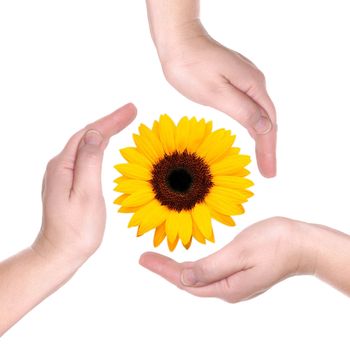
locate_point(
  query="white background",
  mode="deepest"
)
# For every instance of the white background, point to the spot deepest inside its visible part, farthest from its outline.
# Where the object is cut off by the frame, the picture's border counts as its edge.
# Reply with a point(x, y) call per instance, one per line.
point(64, 64)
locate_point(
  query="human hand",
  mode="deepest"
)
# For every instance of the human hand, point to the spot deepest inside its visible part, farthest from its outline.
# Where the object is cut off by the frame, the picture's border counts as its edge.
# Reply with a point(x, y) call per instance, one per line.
point(210, 74)
point(74, 213)
point(259, 257)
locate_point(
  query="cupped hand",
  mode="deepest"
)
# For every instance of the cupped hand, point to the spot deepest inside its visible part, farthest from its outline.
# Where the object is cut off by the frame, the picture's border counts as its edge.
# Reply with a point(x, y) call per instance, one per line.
point(74, 213)
point(259, 257)
point(210, 74)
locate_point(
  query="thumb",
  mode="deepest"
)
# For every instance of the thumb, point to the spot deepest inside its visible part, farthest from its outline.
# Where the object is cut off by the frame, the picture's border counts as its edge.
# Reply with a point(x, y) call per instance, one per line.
point(88, 164)
point(242, 108)
point(213, 268)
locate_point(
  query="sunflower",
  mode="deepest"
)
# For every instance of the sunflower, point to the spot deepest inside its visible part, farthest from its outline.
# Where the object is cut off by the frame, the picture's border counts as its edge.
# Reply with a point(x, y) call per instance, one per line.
point(180, 176)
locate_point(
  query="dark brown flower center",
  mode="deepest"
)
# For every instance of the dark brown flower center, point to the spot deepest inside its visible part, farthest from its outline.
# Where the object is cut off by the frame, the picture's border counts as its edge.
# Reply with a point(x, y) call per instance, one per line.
point(181, 180)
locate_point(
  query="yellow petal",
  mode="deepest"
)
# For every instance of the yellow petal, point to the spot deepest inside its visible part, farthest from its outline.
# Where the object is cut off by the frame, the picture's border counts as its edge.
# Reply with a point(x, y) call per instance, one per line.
point(208, 127)
point(182, 134)
point(215, 145)
point(128, 209)
point(172, 225)
point(152, 208)
point(224, 219)
point(230, 165)
point(185, 226)
point(141, 230)
point(131, 186)
point(197, 133)
point(242, 173)
point(232, 151)
point(201, 216)
point(247, 193)
point(148, 144)
point(167, 133)
point(155, 128)
point(134, 171)
point(120, 199)
point(197, 234)
point(150, 222)
point(139, 198)
point(132, 155)
point(222, 205)
point(172, 245)
point(120, 179)
point(232, 195)
point(211, 237)
point(159, 235)
point(187, 245)
point(234, 182)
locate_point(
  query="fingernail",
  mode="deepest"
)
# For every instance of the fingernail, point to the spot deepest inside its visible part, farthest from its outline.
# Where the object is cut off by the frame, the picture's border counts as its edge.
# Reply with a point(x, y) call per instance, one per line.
point(93, 137)
point(263, 125)
point(188, 277)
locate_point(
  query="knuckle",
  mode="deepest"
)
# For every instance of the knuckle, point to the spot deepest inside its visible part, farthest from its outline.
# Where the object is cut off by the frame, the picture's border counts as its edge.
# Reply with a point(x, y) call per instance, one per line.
point(58, 165)
point(280, 222)
point(282, 231)
point(170, 73)
point(258, 77)
point(52, 164)
point(89, 245)
point(232, 299)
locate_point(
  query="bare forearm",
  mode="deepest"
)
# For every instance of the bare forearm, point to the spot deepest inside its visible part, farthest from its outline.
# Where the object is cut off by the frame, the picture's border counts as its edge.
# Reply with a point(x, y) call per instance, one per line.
point(26, 279)
point(332, 257)
point(169, 20)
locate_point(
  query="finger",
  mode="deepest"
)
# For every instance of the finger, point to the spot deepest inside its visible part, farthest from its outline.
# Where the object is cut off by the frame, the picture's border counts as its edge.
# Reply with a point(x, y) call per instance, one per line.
point(114, 122)
point(265, 149)
point(88, 163)
point(232, 288)
point(241, 286)
point(265, 143)
point(223, 263)
point(215, 267)
point(171, 271)
point(106, 126)
point(251, 115)
point(242, 108)
point(162, 266)
point(60, 171)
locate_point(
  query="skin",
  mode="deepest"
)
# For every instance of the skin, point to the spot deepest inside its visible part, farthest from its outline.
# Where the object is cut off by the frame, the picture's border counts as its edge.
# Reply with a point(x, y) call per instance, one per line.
point(208, 73)
point(258, 258)
point(74, 218)
point(73, 225)
point(74, 213)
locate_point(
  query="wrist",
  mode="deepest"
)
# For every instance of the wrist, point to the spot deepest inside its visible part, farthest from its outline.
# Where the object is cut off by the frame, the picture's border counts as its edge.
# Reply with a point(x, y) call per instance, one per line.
point(67, 261)
point(333, 257)
point(172, 41)
point(307, 249)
